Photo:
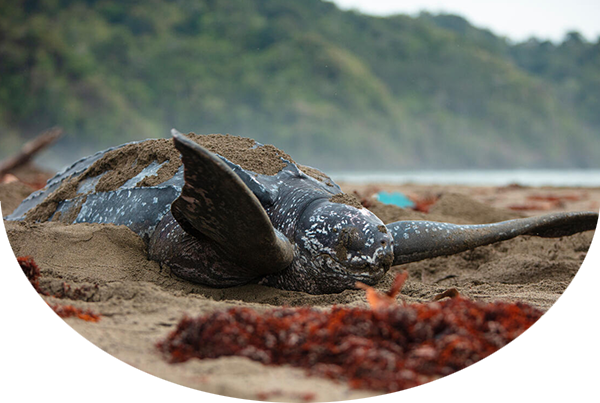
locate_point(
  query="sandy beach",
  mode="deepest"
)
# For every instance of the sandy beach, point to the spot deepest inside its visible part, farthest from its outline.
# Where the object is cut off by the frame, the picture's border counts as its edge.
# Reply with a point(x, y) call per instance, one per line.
point(140, 303)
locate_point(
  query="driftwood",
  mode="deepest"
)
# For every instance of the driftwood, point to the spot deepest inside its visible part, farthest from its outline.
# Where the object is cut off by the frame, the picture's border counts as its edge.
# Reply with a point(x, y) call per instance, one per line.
point(29, 150)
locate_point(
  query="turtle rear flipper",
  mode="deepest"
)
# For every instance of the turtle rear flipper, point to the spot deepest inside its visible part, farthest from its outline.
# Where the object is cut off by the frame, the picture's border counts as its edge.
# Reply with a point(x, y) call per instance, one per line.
point(418, 240)
point(216, 204)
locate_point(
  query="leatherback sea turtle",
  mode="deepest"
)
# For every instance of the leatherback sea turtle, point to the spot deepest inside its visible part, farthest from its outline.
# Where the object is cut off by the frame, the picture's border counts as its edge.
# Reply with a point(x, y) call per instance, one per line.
point(214, 219)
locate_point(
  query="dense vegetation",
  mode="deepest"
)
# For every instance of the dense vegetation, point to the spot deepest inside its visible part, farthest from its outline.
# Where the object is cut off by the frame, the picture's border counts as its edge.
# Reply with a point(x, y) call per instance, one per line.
point(363, 91)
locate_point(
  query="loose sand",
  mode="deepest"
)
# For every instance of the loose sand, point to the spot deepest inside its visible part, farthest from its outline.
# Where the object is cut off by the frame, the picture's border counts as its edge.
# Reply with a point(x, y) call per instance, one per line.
point(140, 303)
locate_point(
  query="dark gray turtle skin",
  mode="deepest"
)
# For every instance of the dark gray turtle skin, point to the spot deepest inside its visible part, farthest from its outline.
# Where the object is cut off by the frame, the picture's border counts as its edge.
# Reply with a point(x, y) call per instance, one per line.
point(220, 225)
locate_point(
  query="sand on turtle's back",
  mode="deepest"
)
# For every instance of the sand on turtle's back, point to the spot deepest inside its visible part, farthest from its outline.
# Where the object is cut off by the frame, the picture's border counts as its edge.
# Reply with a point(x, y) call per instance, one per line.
point(115, 167)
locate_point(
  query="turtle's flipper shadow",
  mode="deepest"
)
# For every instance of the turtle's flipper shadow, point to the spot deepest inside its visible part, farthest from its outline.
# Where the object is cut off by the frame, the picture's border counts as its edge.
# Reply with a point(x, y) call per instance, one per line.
point(217, 204)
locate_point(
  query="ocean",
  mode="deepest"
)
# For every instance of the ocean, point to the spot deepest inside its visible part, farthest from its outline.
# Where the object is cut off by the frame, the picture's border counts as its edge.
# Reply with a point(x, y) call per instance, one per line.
point(524, 177)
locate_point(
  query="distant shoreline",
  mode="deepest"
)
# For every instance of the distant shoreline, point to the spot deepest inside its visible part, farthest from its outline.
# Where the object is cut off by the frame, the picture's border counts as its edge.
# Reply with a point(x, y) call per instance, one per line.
point(472, 177)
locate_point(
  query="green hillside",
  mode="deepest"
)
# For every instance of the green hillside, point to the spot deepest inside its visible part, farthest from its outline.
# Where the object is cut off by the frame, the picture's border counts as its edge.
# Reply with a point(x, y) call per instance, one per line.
point(336, 89)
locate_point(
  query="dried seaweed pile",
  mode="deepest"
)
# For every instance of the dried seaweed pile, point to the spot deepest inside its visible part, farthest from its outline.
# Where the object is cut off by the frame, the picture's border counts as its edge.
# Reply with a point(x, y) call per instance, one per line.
point(32, 272)
point(390, 348)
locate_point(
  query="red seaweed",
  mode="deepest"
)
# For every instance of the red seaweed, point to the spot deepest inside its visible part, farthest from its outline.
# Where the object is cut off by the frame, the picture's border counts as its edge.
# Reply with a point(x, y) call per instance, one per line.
point(391, 347)
point(424, 203)
point(558, 199)
point(377, 300)
point(545, 202)
point(32, 272)
point(67, 311)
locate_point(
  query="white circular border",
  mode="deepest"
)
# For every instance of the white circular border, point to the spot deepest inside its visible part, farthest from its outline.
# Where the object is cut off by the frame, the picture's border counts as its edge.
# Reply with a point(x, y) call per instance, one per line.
point(43, 357)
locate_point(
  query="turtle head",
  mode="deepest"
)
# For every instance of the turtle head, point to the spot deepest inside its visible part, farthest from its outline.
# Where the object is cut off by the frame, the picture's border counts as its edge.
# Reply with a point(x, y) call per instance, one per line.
point(345, 243)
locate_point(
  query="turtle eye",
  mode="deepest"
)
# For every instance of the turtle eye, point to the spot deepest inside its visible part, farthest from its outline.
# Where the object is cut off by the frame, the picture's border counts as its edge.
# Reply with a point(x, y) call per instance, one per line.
point(352, 239)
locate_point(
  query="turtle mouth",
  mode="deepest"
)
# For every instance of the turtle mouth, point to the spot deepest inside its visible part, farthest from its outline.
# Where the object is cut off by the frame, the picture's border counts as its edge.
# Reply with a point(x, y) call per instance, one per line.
point(362, 269)
point(368, 275)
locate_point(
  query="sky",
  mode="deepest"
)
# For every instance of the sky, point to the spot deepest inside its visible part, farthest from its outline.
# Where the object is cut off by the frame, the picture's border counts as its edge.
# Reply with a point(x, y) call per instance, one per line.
point(516, 20)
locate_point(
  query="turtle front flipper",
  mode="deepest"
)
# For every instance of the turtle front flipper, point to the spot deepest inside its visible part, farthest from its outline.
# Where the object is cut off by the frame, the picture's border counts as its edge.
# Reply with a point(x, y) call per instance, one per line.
point(215, 204)
point(418, 240)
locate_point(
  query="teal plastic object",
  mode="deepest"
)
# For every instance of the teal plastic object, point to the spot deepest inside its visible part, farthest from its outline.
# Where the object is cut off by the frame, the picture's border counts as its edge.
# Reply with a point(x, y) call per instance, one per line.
point(395, 198)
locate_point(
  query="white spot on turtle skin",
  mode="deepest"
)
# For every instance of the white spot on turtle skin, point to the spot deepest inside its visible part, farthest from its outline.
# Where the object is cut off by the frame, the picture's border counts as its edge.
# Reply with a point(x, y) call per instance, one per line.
point(150, 170)
point(88, 185)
